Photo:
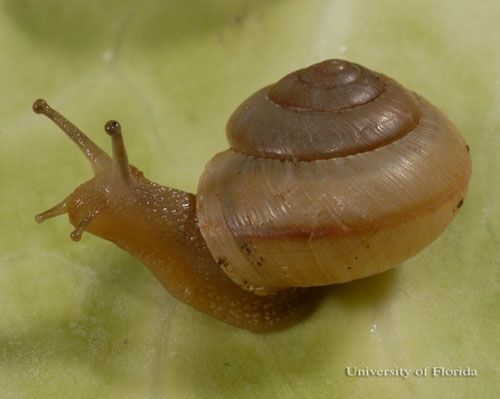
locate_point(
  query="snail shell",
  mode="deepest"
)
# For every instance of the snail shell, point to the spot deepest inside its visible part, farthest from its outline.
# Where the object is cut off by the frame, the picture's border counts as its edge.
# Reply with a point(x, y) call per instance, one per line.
point(334, 173)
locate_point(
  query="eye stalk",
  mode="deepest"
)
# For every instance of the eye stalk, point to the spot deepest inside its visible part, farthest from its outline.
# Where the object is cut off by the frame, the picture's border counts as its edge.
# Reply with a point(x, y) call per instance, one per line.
point(116, 170)
point(120, 168)
point(97, 157)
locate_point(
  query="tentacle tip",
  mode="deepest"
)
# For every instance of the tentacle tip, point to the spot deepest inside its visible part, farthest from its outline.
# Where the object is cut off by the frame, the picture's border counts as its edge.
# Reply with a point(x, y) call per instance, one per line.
point(112, 128)
point(39, 218)
point(76, 235)
point(40, 106)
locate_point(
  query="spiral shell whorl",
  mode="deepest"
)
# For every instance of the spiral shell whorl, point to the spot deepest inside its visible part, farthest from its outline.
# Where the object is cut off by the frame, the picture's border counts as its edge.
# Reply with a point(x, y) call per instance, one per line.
point(331, 85)
point(335, 173)
point(331, 109)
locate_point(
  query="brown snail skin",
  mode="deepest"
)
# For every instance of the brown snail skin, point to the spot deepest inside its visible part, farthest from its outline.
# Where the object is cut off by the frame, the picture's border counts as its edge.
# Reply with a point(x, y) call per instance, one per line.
point(334, 173)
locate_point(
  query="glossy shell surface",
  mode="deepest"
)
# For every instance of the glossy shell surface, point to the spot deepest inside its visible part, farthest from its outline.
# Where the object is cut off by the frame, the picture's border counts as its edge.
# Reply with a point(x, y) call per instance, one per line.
point(333, 174)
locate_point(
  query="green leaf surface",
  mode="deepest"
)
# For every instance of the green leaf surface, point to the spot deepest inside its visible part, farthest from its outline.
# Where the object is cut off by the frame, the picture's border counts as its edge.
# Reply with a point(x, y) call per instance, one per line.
point(87, 320)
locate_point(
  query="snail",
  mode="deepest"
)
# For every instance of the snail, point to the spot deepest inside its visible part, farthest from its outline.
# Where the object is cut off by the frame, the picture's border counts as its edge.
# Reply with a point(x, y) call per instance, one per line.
point(334, 173)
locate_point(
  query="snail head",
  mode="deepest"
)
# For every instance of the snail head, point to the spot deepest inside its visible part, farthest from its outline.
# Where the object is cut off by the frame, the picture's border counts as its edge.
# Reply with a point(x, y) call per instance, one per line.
point(114, 181)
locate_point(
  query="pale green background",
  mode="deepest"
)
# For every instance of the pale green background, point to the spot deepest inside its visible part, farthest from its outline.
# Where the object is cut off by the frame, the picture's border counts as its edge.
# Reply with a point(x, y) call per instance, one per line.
point(87, 320)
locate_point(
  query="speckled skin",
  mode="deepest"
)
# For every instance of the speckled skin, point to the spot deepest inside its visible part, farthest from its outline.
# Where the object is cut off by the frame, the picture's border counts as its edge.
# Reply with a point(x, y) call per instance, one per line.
point(158, 225)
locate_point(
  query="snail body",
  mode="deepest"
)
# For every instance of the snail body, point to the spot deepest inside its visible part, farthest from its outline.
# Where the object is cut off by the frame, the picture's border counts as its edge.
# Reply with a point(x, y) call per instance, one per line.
point(334, 173)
